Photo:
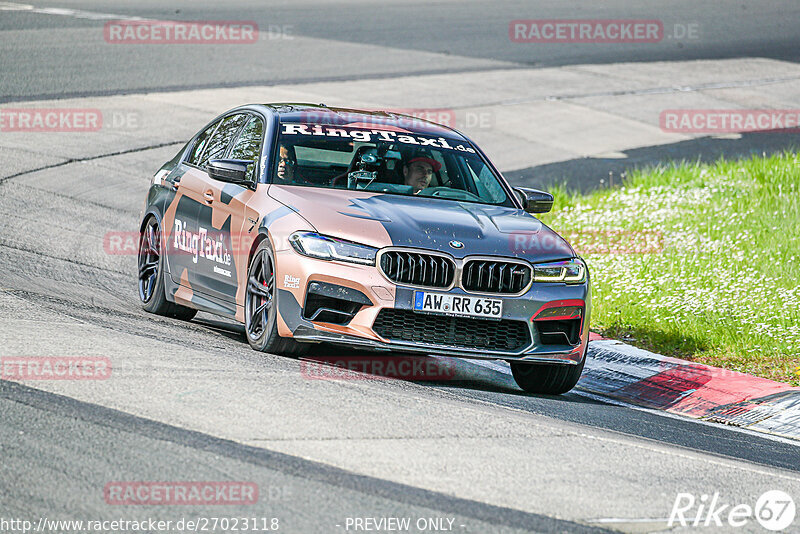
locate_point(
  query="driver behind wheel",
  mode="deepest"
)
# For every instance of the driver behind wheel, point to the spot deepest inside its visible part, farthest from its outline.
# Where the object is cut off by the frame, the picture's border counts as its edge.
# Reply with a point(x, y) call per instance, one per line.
point(418, 170)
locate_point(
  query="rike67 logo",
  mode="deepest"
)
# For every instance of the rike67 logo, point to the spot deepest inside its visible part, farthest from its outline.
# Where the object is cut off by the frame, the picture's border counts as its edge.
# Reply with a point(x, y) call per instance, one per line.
point(774, 510)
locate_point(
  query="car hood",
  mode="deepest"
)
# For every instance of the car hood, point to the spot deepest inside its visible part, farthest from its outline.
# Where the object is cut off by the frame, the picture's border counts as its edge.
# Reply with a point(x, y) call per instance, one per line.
point(380, 220)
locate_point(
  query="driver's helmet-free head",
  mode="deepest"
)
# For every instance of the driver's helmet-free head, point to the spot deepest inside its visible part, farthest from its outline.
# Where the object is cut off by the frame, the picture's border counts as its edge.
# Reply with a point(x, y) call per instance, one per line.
point(425, 157)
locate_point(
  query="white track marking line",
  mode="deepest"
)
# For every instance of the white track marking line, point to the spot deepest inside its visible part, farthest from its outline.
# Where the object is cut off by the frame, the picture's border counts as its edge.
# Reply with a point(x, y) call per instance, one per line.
point(624, 520)
point(65, 12)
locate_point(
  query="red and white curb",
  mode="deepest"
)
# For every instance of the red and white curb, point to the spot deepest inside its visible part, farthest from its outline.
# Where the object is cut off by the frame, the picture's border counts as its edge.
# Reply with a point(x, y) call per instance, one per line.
point(636, 376)
point(620, 372)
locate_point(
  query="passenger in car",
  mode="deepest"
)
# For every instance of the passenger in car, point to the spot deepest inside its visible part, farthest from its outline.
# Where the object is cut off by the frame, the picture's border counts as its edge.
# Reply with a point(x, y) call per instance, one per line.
point(287, 166)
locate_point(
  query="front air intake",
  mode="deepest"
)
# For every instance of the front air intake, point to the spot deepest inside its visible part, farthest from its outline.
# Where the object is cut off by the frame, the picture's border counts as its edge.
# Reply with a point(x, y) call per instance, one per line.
point(502, 335)
point(331, 303)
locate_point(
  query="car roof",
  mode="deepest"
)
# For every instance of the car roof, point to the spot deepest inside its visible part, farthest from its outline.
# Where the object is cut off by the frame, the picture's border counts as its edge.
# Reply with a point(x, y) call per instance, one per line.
point(322, 114)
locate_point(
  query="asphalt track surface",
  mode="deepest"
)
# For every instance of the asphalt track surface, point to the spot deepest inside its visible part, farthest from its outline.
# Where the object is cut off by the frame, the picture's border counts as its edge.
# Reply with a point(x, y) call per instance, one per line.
point(57, 54)
point(193, 402)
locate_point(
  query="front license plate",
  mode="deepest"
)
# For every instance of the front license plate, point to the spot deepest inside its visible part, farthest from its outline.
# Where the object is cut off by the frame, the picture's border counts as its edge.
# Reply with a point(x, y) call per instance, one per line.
point(449, 304)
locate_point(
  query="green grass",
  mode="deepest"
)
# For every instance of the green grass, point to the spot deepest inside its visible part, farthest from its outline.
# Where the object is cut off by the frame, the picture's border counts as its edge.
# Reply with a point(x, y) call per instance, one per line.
point(725, 287)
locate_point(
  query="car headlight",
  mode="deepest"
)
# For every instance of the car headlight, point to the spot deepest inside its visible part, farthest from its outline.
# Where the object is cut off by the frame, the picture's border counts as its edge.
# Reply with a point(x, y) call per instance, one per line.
point(330, 248)
point(570, 272)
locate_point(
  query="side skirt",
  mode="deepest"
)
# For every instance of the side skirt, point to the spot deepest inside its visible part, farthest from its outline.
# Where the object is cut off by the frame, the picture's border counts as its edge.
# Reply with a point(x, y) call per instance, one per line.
point(199, 301)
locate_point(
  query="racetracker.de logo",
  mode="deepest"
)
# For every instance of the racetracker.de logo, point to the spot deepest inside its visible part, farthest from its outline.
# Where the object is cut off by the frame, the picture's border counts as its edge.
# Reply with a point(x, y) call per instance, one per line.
point(180, 493)
point(591, 241)
point(180, 32)
point(55, 368)
point(377, 368)
point(50, 120)
point(182, 242)
point(414, 117)
point(586, 31)
point(465, 119)
point(403, 118)
point(729, 120)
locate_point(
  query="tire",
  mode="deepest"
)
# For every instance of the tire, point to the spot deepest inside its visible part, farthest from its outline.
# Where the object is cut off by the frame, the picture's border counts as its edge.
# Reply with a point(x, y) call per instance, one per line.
point(260, 308)
point(151, 275)
point(547, 379)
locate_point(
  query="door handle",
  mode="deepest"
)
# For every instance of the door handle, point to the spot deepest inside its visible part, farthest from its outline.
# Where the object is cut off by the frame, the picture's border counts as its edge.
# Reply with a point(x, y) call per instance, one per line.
point(209, 196)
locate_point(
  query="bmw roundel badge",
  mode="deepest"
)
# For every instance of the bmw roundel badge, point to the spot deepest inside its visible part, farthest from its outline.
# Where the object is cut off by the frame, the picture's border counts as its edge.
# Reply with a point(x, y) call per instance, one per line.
point(456, 244)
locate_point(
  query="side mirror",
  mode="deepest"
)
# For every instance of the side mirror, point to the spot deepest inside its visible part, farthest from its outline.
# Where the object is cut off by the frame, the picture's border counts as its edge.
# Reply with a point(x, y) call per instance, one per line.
point(533, 200)
point(233, 171)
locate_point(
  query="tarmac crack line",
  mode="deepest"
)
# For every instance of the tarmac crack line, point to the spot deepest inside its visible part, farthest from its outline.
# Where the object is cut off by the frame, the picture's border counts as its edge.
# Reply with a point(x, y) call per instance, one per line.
point(68, 260)
point(90, 158)
point(81, 200)
point(634, 92)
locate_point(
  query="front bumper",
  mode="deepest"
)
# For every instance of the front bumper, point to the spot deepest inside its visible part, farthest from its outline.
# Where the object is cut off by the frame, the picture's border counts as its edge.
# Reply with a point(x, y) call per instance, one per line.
point(571, 356)
point(368, 281)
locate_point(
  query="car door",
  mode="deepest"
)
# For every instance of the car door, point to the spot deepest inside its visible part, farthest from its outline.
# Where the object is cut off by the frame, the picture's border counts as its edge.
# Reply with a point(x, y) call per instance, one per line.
point(180, 218)
point(203, 251)
point(223, 217)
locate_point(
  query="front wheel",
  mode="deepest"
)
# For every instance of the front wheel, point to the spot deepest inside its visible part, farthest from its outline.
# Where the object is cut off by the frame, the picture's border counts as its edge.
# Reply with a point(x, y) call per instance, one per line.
point(151, 275)
point(548, 379)
point(260, 306)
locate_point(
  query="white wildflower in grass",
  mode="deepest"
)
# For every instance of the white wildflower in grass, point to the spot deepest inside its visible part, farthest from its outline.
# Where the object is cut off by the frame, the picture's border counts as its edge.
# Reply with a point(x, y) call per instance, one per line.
point(725, 288)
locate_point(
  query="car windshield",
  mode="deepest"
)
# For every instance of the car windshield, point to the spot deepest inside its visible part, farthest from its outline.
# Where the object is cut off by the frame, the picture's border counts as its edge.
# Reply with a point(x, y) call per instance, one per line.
point(386, 159)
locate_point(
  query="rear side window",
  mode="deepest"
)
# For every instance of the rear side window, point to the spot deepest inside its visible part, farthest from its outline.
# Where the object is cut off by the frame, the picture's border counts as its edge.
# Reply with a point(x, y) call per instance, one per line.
point(222, 138)
point(200, 144)
point(248, 145)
